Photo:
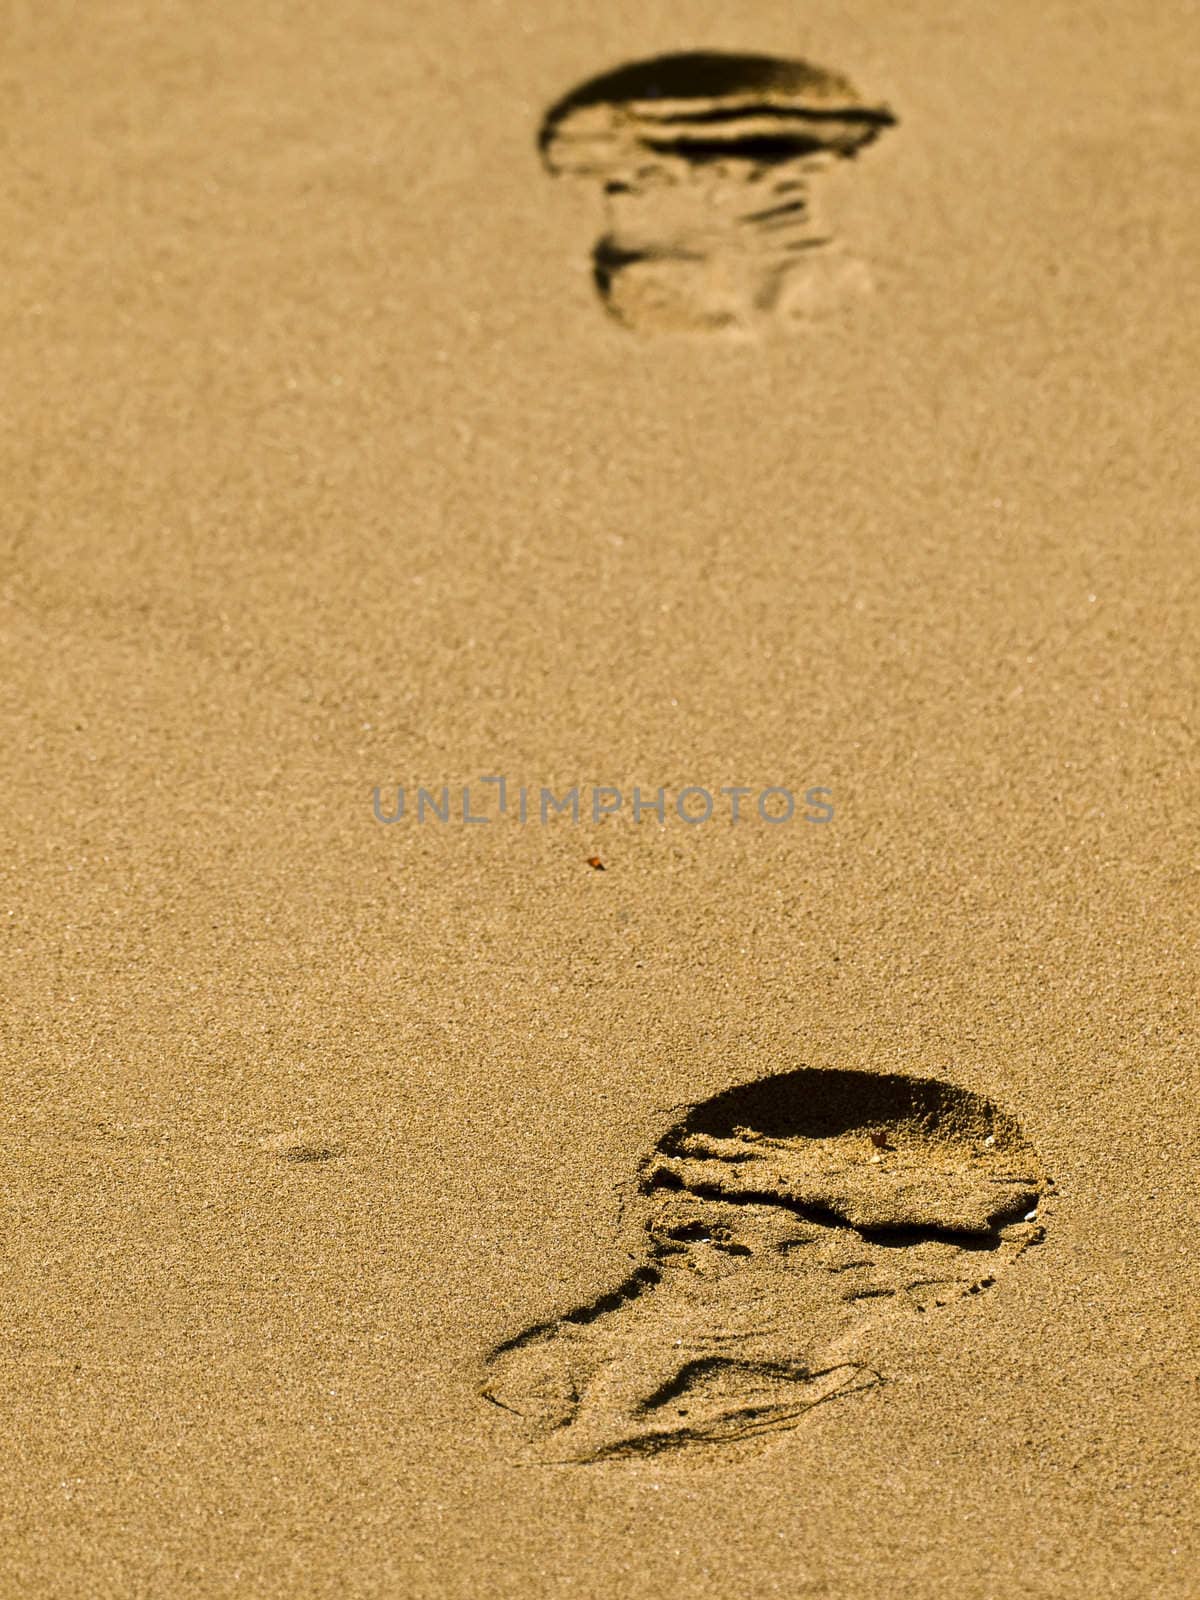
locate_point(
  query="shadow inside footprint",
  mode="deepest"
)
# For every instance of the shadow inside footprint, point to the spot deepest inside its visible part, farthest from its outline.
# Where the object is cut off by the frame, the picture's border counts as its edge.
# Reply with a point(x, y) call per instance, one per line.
point(706, 161)
point(780, 1222)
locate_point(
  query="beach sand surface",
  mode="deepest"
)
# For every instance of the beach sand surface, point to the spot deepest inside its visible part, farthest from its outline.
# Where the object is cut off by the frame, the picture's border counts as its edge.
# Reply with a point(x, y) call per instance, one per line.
point(325, 468)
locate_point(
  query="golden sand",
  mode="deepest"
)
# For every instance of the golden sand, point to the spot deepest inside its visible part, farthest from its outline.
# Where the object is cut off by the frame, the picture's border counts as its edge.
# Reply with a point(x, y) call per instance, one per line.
point(326, 468)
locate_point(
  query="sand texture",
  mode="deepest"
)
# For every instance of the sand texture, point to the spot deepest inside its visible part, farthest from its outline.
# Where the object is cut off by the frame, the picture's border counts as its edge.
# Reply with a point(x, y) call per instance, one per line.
point(469, 1195)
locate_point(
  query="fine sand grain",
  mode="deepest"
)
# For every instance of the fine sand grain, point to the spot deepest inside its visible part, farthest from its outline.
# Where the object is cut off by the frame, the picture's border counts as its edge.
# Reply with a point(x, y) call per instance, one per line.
point(603, 1208)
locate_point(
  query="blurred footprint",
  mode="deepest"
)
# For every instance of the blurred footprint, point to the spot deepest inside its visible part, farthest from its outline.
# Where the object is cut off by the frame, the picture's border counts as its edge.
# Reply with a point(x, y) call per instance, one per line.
point(706, 161)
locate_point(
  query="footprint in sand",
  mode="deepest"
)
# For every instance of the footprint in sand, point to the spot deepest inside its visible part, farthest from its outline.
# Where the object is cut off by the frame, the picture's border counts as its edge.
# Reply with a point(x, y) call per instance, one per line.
point(782, 1227)
point(706, 162)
